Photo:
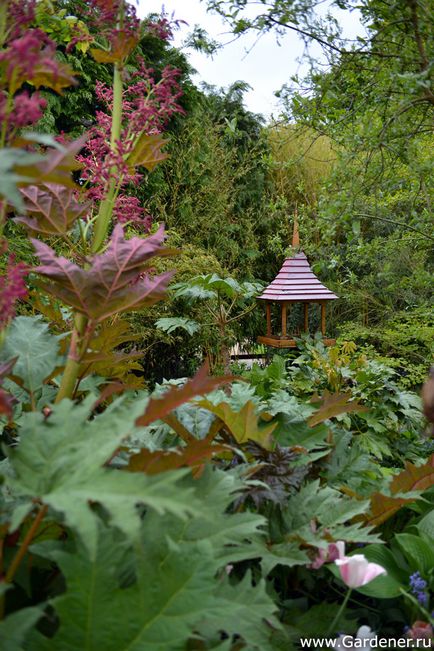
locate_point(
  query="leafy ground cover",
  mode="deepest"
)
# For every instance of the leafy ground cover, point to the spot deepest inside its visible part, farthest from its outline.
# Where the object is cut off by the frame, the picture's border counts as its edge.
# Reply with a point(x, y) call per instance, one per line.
point(224, 511)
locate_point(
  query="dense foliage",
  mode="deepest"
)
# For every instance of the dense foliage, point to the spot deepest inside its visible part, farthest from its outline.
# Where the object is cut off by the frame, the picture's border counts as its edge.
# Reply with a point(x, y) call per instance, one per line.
point(217, 512)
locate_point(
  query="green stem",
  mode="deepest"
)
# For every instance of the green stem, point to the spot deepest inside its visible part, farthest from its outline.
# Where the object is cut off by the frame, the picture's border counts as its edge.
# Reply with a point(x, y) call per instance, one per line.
point(332, 626)
point(72, 367)
point(106, 208)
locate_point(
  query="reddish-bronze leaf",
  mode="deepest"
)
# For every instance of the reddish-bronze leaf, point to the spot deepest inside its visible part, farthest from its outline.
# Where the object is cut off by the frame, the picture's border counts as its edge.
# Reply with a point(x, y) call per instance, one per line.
point(51, 208)
point(199, 385)
point(411, 479)
point(147, 151)
point(334, 404)
point(193, 455)
point(414, 478)
point(114, 282)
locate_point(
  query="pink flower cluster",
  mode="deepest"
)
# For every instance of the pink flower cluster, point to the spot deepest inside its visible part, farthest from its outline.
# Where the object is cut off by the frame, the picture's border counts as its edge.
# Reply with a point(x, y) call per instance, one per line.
point(20, 14)
point(128, 209)
point(28, 51)
point(103, 15)
point(12, 288)
point(27, 109)
point(147, 106)
point(161, 28)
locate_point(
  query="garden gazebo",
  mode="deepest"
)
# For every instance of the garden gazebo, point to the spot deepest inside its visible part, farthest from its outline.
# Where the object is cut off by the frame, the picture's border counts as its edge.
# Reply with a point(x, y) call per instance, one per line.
point(295, 283)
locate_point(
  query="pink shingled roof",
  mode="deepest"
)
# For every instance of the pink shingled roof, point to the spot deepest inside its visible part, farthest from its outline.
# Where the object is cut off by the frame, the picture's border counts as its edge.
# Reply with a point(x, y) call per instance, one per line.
point(297, 282)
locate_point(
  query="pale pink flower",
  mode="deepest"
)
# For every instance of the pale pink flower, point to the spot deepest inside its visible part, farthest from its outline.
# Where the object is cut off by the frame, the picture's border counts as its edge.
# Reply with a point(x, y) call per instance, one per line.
point(357, 570)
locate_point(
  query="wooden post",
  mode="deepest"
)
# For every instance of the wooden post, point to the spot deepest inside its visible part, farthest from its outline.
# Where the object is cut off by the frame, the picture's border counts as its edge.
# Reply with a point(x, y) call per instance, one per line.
point(306, 317)
point(323, 318)
point(283, 319)
point(268, 309)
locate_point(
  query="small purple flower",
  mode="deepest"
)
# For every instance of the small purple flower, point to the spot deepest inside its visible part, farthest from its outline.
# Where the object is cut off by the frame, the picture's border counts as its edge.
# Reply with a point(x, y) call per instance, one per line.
point(418, 587)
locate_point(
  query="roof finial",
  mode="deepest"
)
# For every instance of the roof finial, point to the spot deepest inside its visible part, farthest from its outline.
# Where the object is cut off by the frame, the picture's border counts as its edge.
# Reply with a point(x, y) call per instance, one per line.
point(295, 235)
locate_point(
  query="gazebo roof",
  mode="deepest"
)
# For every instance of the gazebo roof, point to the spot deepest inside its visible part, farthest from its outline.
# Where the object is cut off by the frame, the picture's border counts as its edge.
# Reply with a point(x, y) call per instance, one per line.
point(296, 282)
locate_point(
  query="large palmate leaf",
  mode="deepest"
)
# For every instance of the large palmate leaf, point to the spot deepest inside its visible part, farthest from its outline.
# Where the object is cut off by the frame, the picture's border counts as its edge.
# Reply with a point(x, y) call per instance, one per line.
point(243, 424)
point(114, 281)
point(169, 324)
point(316, 514)
point(211, 285)
point(107, 358)
point(230, 534)
point(60, 461)
point(157, 612)
point(241, 611)
point(37, 349)
point(164, 588)
point(51, 208)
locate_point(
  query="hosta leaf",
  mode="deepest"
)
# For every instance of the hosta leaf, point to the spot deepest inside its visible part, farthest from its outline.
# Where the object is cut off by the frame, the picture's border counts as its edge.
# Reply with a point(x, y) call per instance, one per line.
point(60, 459)
point(37, 350)
point(175, 396)
point(334, 404)
point(114, 281)
point(51, 209)
point(243, 424)
point(426, 525)
point(418, 552)
point(147, 151)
